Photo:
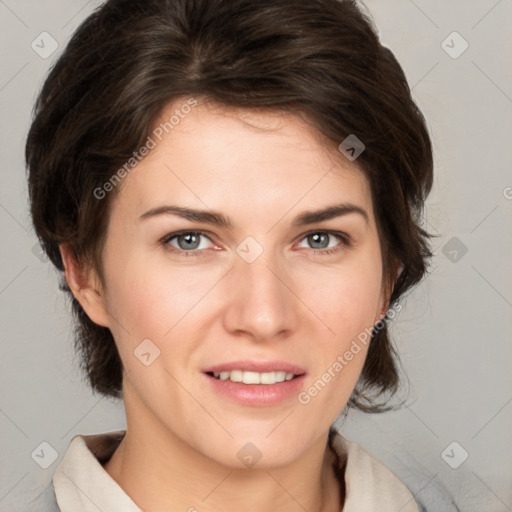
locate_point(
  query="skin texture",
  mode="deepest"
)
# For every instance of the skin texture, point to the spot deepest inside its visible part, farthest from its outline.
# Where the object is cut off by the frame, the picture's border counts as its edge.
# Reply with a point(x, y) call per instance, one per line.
point(292, 303)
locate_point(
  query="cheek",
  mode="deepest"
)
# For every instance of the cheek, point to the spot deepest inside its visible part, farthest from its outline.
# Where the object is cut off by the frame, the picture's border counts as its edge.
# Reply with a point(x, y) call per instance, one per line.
point(148, 300)
point(346, 298)
point(347, 304)
point(139, 300)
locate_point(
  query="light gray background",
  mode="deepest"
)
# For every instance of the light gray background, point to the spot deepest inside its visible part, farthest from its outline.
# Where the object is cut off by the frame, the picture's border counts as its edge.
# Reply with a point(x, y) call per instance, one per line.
point(454, 334)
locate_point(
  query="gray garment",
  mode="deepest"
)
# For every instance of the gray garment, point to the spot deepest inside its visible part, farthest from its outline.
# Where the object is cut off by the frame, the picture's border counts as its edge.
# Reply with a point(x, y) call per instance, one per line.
point(45, 501)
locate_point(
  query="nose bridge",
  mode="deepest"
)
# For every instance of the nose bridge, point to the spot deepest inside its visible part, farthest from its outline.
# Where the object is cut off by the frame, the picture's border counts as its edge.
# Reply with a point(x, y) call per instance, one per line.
point(261, 304)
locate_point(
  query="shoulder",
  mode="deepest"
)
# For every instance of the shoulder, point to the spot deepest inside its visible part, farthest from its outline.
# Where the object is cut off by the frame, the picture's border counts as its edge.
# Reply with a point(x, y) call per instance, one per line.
point(81, 482)
point(370, 485)
point(45, 501)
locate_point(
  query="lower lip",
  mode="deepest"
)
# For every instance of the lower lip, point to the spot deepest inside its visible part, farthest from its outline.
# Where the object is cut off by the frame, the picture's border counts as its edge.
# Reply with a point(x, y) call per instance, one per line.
point(257, 394)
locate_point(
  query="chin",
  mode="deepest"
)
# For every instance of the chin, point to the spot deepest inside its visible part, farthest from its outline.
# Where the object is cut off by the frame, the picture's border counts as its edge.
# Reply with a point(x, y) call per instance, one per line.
point(261, 449)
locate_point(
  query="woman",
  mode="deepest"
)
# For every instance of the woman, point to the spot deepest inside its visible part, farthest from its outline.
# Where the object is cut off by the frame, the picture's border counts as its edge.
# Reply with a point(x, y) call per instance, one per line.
point(231, 191)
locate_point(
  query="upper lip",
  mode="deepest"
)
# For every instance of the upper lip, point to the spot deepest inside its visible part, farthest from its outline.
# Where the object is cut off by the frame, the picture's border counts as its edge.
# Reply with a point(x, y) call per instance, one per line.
point(257, 366)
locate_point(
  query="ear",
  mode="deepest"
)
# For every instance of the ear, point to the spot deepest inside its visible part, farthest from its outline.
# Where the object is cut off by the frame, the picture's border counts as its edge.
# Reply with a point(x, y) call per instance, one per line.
point(86, 287)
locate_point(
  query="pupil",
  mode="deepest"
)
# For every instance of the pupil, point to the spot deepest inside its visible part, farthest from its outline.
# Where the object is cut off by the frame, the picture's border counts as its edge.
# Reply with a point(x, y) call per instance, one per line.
point(191, 241)
point(316, 240)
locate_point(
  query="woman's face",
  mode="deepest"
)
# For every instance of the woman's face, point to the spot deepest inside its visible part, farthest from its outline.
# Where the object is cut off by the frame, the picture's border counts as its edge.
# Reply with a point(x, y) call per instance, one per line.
point(251, 280)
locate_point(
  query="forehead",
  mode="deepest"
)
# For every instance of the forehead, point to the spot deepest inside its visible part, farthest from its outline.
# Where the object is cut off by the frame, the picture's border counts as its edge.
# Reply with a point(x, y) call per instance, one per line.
point(220, 157)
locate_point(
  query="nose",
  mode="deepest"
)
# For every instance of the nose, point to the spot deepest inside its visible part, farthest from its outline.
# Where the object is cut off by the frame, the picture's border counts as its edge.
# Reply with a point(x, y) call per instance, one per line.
point(261, 303)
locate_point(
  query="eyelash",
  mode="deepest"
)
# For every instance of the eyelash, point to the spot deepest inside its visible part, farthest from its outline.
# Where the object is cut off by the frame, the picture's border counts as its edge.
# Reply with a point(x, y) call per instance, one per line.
point(346, 242)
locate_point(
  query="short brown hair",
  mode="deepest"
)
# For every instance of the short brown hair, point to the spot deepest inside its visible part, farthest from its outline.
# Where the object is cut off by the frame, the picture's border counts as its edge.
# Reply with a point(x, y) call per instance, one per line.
point(320, 59)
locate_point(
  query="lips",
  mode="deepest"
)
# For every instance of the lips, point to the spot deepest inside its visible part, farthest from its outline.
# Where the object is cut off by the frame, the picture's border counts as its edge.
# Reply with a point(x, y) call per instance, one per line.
point(255, 383)
point(257, 366)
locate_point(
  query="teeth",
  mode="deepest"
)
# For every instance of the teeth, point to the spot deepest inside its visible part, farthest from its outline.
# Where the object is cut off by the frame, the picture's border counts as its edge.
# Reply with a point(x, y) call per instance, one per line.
point(254, 377)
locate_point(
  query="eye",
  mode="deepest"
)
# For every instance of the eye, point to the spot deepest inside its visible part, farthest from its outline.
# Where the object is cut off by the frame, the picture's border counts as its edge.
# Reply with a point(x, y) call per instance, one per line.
point(327, 242)
point(187, 241)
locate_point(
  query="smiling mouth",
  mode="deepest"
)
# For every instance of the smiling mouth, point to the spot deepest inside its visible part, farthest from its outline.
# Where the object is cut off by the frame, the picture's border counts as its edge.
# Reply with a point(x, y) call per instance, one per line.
point(246, 377)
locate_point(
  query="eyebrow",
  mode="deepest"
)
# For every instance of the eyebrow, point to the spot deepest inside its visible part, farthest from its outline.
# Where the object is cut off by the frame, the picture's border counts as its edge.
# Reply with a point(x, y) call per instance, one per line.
point(218, 219)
